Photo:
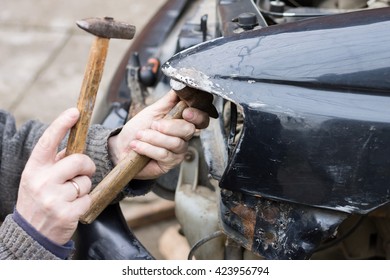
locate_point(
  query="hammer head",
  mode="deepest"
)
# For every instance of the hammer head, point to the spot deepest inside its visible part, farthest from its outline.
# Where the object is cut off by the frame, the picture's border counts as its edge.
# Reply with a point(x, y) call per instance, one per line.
point(107, 27)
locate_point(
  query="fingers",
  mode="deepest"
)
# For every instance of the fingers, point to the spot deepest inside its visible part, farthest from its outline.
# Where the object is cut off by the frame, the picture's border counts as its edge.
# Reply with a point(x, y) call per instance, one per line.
point(158, 153)
point(166, 103)
point(197, 117)
point(164, 137)
point(176, 127)
point(161, 107)
point(72, 166)
point(157, 140)
point(54, 208)
point(149, 133)
point(47, 199)
point(164, 144)
point(162, 161)
point(76, 188)
point(46, 148)
point(81, 205)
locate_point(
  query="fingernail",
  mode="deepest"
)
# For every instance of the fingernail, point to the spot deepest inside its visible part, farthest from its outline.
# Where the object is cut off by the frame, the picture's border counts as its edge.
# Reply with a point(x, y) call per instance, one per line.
point(73, 113)
point(188, 114)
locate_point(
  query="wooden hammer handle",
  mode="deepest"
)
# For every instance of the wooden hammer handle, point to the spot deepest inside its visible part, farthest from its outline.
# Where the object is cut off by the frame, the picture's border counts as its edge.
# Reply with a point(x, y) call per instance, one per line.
point(86, 102)
point(108, 189)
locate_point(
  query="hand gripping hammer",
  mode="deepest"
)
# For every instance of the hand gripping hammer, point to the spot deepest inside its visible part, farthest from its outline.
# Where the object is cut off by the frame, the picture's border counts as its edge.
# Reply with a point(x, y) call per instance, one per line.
point(108, 189)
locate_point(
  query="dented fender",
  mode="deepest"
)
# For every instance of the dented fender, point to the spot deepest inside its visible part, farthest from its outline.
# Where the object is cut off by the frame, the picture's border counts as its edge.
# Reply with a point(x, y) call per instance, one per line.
point(314, 96)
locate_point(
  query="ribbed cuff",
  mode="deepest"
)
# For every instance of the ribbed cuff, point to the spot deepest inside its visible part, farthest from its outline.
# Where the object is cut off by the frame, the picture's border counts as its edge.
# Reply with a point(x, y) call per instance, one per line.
point(16, 244)
point(97, 150)
point(61, 251)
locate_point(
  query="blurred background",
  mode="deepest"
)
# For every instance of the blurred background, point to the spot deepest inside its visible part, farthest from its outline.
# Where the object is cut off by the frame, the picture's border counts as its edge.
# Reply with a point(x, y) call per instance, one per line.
point(43, 55)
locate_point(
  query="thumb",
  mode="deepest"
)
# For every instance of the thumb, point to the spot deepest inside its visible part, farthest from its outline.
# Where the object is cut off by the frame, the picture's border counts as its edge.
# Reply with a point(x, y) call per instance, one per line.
point(47, 146)
point(165, 103)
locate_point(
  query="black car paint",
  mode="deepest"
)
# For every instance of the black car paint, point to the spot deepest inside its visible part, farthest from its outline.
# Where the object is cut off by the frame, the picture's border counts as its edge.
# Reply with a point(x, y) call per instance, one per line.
point(315, 96)
point(284, 135)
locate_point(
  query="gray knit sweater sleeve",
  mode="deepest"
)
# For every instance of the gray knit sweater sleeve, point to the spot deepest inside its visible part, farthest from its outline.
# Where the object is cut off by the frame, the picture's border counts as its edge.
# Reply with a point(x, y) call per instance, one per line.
point(15, 149)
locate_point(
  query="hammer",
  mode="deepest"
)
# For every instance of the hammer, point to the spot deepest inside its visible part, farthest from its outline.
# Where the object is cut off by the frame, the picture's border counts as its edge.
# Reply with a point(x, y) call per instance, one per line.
point(108, 189)
point(103, 29)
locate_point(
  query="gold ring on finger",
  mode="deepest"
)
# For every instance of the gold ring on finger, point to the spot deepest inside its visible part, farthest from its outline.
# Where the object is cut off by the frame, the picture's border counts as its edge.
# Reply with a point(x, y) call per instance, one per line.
point(76, 186)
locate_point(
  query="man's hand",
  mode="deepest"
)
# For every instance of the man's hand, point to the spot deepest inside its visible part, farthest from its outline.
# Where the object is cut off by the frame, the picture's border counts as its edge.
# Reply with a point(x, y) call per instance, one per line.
point(164, 141)
point(47, 199)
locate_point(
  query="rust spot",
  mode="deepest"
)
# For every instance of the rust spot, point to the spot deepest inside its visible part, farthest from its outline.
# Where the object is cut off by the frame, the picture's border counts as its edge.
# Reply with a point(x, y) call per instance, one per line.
point(270, 214)
point(248, 219)
point(269, 237)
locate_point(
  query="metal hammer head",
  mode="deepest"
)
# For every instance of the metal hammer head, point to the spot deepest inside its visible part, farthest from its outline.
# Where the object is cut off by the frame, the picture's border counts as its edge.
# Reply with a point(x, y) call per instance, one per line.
point(107, 27)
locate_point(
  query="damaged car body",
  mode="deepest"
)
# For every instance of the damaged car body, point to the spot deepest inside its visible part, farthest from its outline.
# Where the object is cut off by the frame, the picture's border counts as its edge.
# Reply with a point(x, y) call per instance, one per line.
point(297, 164)
point(314, 97)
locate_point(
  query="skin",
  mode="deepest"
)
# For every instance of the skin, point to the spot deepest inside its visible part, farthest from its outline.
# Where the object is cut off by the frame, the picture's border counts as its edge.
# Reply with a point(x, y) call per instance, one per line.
point(165, 141)
point(48, 200)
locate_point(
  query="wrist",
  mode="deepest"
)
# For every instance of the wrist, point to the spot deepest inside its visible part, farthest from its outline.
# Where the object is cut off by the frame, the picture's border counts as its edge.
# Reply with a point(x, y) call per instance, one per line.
point(112, 149)
point(62, 251)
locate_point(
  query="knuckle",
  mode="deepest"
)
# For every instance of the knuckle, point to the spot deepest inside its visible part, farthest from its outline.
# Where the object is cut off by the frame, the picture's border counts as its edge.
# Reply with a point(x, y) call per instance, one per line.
point(92, 166)
point(147, 135)
point(165, 154)
point(44, 142)
point(140, 147)
point(87, 164)
point(78, 160)
point(87, 182)
point(177, 143)
point(49, 205)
